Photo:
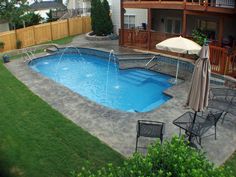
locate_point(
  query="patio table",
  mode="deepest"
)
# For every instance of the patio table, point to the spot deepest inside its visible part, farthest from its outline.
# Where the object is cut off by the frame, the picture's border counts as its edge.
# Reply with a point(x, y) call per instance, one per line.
point(200, 127)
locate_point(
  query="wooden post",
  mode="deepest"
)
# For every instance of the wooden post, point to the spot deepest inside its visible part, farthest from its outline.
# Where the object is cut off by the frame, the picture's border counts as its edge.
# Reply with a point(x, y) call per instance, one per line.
point(149, 27)
point(16, 38)
point(184, 22)
point(35, 42)
point(221, 30)
point(121, 41)
point(68, 26)
point(51, 31)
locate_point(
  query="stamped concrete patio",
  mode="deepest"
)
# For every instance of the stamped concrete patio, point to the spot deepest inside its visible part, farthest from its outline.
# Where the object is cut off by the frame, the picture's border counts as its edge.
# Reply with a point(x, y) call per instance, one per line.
point(115, 128)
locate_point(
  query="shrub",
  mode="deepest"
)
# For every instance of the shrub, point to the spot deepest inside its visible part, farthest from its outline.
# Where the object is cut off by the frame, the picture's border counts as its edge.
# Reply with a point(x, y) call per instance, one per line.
point(171, 159)
point(18, 44)
point(199, 36)
point(2, 45)
point(100, 18)
point(93, 13)
point(108, 23)
point(50, 17)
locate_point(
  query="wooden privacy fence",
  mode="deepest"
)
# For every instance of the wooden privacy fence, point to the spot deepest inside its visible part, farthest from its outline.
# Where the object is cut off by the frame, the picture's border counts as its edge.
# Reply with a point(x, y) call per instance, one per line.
point(45, 32)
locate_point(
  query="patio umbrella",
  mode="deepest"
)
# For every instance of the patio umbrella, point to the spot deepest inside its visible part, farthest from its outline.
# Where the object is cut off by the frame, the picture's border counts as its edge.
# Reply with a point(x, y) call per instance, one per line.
point(200, 84)
point(179, 45)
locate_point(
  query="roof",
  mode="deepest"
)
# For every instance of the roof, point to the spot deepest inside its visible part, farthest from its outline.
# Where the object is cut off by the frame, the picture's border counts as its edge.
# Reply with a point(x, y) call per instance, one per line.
point(3, 21)
point(43, 5)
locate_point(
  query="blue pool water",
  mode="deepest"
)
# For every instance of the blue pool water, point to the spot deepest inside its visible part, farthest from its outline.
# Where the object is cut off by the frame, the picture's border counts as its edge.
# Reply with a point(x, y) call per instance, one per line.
point(126, 90)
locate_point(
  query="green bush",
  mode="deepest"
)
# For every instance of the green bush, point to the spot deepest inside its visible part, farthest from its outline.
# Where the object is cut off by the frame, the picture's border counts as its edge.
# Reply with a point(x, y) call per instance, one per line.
point(18, 44)
point(50, 17)
point(171, 159)
point(199, 36)
point(2, 45)
point(100, 18)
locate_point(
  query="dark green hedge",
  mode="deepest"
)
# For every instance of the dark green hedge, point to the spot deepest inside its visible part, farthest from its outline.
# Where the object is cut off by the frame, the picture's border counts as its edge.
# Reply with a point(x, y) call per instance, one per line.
point(100, 18)
point(171, 159)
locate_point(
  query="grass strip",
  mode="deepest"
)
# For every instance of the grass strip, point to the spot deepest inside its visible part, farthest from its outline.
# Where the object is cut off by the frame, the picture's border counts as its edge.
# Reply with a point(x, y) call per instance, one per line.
point(38, 141)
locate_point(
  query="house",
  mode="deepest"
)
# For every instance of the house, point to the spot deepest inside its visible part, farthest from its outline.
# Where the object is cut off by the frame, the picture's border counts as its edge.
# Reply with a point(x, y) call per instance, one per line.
point(133, 17)
point(77, 7)
point(82, 7)
point(44, 6)
point(165, 18)
point(4, 26)
point(162, 19)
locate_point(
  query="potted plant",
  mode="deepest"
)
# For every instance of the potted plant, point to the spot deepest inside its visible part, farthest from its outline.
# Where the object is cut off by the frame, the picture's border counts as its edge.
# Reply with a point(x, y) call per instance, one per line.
point(1, 46)
point(199, 36)
point(18, 44)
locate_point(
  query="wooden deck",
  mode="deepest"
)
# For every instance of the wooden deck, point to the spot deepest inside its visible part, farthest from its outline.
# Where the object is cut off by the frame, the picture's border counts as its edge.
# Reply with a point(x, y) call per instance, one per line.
point(226, 7)
point(222, 62)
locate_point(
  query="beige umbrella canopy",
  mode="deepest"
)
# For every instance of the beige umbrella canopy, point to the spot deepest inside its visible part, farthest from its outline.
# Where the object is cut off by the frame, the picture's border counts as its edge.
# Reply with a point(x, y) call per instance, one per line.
point(200, 84)
point(179, 45)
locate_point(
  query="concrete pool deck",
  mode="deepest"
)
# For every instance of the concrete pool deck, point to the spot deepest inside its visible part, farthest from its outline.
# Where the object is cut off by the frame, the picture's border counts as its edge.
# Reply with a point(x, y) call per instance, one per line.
point(115, 128)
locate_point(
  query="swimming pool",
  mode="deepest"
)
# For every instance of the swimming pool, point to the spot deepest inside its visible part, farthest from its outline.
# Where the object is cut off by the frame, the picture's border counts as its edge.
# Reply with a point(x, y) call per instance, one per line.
point(131, 90)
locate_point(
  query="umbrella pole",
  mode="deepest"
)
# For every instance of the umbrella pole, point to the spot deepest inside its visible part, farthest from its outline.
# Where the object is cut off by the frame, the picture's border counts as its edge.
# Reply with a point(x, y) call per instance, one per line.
point(194, 119)
point(177, 72)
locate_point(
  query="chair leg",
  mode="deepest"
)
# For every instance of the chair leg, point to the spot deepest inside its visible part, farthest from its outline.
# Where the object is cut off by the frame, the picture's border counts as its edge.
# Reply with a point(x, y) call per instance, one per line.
point(223, 118)
point(161, 138)
point(215, 132)
point(136, 147)
point(179, 132)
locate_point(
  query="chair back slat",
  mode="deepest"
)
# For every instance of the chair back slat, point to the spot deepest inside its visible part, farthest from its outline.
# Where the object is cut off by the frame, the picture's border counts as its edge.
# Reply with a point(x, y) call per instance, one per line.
point(150, 130)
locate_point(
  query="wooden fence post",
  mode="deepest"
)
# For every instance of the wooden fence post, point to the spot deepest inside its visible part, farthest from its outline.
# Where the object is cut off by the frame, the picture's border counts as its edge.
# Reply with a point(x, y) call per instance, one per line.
point(34, 35)
point(68, 26)
point(15, 37)
point(51, 31)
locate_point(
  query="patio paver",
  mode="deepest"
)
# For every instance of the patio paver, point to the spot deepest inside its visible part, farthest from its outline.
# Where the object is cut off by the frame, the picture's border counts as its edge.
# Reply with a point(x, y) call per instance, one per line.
point(115, 128)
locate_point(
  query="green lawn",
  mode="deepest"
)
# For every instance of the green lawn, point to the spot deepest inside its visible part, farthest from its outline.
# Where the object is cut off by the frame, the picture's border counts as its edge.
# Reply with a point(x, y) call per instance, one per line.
point(37, 141)
point(62, 41)
point(231, 162)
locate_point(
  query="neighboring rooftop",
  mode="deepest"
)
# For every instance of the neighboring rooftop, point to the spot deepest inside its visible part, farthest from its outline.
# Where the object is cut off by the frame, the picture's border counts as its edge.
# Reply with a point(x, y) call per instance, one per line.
point(43, 5)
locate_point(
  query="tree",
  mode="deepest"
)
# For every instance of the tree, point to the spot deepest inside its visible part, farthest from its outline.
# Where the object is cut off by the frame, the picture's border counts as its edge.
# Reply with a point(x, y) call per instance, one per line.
point(12, 10)
point(100, 18)
point(31, 19)
point(93, 13)
point(108, 23)
point(50, 17)
point(28, 19)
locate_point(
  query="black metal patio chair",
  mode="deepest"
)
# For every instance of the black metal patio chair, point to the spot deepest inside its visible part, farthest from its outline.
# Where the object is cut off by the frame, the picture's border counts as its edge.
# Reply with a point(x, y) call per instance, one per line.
point(151, 129)
point(212, 118)
point(222, 93)
point(223, 99)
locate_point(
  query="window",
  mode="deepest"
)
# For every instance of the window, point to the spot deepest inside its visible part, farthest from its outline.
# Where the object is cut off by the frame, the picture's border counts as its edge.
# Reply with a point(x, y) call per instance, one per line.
point(129, 21)
point(208, 27)
point(173, 25)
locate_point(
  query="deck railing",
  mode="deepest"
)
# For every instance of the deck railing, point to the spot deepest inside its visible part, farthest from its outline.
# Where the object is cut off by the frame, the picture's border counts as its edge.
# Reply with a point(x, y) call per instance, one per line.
point(231, 65)
point(139, 38)
point(218, 59)
point(220, 4)
point(135, 38)
point(221, 61)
